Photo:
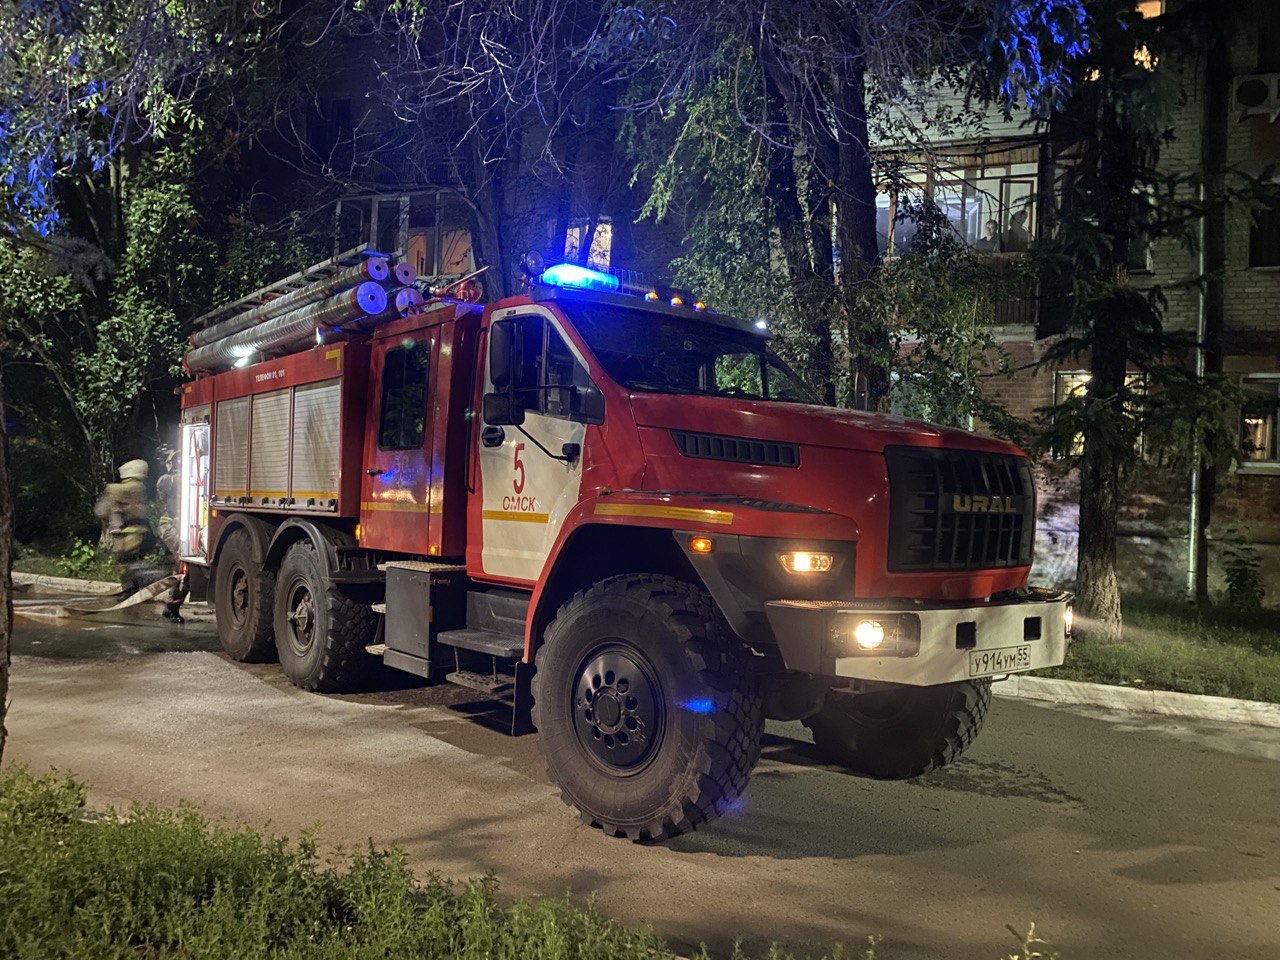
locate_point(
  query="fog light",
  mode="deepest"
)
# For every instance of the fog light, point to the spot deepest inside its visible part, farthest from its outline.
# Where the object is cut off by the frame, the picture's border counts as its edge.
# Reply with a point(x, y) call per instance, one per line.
point(869, 634)
point(804, 562)
point(1069, 618)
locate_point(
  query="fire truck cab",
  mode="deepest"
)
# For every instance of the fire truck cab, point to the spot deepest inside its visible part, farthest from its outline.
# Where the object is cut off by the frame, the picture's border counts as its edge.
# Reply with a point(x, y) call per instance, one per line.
point(623, 514)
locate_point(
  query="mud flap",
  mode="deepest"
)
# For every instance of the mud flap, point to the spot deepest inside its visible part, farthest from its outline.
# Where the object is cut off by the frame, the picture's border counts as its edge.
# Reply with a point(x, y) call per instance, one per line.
point(522, 705)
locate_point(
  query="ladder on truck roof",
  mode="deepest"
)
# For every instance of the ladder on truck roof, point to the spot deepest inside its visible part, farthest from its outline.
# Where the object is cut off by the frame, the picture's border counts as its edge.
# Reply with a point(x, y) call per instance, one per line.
point(318, 271)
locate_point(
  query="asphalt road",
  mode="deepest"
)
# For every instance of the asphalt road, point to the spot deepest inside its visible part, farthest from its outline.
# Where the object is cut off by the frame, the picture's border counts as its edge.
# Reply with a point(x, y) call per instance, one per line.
point(1118, 837)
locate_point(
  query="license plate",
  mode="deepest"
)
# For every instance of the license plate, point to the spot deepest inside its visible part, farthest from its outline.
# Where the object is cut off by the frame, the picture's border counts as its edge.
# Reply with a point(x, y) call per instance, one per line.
point(1000, 660)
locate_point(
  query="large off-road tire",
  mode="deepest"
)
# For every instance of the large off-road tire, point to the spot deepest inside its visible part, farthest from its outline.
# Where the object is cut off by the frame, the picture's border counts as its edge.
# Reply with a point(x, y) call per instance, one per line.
point(242, 600)
point(647, 708)
point(900, 732)
point(321, 632)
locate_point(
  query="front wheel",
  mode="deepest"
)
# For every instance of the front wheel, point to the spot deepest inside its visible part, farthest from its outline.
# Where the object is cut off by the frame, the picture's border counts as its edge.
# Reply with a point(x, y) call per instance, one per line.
point(647, 709)
point(900, 732)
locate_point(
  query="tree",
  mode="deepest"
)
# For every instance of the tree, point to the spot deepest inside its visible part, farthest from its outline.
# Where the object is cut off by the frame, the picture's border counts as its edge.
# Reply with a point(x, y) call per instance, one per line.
point(78, 84)
point(1115, 200)
point(816, 85)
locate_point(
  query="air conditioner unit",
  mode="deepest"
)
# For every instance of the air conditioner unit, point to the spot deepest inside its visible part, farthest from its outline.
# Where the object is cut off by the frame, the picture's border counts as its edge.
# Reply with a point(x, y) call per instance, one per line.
point(1257, 93)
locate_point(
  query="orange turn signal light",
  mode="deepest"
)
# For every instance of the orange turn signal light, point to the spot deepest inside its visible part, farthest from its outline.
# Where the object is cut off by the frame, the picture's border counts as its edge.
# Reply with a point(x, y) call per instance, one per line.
point(701, 544)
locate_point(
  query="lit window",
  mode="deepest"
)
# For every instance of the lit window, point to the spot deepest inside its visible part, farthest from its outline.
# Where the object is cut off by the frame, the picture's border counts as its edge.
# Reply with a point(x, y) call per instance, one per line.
point(1068, 385)
point(1145, 59)
point(1142, 56)
point(1259, 439)
point(1073, 383)
point(601, 243)
point(988, 198)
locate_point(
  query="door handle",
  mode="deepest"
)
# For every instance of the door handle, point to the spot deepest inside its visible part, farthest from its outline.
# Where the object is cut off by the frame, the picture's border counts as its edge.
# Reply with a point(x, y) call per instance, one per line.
point(375, 471)
point(492, 436)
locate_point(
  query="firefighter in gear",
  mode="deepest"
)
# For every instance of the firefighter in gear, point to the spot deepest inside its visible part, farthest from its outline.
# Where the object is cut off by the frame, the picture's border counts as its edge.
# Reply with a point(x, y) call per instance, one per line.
point(122, 508)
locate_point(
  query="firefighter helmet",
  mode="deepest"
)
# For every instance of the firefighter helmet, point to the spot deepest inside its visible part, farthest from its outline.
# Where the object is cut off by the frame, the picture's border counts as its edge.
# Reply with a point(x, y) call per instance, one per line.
point(134, 470)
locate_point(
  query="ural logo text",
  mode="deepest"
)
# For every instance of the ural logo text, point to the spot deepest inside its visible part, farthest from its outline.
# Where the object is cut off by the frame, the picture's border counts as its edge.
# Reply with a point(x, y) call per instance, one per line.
point(981, 504)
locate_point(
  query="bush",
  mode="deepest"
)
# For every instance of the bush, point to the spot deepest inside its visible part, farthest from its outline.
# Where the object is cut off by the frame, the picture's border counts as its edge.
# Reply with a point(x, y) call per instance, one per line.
point(1243, 569)
point(82, 556)
point(169, 884)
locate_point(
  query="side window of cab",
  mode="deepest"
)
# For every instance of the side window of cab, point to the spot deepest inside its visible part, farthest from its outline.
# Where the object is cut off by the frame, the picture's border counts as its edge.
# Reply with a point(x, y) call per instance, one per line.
point(402, 418)
point(546, 376)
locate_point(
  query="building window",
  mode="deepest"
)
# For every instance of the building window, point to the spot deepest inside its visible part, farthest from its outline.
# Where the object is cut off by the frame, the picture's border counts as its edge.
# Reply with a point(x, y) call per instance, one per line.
point(989, 200)
point(1264, 236)
point(1070, 384)
point(1259, 434)
point(601, 243)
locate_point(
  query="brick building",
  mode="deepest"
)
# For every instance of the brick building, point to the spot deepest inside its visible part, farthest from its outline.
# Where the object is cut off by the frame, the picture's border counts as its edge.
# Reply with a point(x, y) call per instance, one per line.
point(993, 186)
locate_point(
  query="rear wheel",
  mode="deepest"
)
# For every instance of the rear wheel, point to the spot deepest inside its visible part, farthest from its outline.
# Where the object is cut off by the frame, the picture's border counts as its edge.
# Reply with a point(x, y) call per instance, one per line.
point(647, 708)
point(900, 732)
point(321, 632)
point(243, 596)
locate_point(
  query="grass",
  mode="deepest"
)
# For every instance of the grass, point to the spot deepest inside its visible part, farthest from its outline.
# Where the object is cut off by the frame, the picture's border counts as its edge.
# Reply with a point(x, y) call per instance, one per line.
point(1172, 645)
point(168, 885)
point(163, 884)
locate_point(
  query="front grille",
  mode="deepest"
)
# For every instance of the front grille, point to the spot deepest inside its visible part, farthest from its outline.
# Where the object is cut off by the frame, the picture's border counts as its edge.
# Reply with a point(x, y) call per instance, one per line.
point(714, 446)
point(959, 510)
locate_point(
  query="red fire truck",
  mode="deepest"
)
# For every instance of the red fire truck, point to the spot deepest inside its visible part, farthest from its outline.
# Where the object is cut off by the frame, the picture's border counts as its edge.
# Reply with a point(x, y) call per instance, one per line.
point(623, 514)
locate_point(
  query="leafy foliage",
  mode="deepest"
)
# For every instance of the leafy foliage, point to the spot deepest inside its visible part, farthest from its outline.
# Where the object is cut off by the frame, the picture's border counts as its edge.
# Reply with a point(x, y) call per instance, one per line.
point(1035, 44)
point(1243, 569)
point(77, 81)
point(937, 300)
point(163, 883)
point(107, 345)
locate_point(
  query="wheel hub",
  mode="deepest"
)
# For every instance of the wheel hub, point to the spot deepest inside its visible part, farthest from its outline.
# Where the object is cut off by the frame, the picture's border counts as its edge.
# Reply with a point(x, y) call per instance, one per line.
point(239, 595)
point(302, 617)
point(617, 709)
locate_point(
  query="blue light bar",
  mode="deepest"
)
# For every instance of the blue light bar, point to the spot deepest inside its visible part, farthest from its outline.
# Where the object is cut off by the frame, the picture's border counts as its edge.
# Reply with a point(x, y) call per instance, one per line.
point(584, 278)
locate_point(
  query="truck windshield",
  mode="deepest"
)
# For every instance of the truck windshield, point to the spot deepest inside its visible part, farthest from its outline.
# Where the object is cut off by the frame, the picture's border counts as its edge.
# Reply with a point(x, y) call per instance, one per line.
point(651, 352)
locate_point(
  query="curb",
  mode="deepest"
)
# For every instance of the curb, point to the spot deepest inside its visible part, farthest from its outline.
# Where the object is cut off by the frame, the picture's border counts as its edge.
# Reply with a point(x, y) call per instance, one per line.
point(66, 584)
point(1166, 703)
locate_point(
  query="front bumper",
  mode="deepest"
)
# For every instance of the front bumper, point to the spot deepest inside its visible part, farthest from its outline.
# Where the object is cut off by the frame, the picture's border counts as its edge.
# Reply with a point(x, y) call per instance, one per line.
point(925, 644)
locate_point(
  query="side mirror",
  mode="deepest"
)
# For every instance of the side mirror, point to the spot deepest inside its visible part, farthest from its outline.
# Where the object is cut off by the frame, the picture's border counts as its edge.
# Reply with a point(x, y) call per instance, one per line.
point(588, 404)
point(502, 335)
point(502, 410)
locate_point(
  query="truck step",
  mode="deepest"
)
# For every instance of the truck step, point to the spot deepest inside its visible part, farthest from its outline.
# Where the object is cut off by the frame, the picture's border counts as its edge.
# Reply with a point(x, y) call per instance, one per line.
point(423, 566)
point(498, 686)
point(498, 611)
point(379, 608)
point(484, 641)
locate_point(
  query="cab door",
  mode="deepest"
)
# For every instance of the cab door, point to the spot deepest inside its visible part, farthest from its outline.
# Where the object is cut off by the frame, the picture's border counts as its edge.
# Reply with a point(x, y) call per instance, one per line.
point(395, 500)
point(531, 463)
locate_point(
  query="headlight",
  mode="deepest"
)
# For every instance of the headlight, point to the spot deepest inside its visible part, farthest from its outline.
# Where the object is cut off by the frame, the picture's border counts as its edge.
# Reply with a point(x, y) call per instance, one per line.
point(881, 634)
point(1069, 618)
point(802, 561)
point(869, 634)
